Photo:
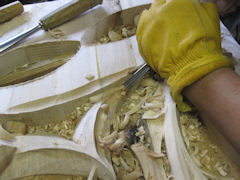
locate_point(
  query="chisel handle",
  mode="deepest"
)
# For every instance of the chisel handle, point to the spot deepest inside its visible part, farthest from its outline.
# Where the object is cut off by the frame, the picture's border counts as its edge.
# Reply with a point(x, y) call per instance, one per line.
point(67, 12)
point(11, 10)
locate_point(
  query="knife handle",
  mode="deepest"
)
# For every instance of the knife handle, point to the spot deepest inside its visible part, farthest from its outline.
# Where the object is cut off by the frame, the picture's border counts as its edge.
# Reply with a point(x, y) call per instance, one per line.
point(67, 12)
point(11, 10)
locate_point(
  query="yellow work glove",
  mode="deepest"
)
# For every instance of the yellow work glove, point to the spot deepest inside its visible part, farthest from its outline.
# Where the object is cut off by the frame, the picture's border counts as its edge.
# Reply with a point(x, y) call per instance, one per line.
point(180, 39)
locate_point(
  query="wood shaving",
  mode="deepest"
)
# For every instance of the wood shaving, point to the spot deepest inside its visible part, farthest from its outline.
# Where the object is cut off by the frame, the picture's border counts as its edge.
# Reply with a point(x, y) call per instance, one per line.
point(90, 77)
point(148, 82)
point(131, 109)
point(104, 107)
point(104, 39)
point(141, 134)
point(150, 114)
point(128, 31)
point(149, 166)
point(114, 36)
point(109, 139)
point(64, 128)
point(25, 66)
point(57, 33)
point(119, 144)
point(203, 151)
point(124, 122)
point(118, 33)
point(133, 175)
point(128, 114)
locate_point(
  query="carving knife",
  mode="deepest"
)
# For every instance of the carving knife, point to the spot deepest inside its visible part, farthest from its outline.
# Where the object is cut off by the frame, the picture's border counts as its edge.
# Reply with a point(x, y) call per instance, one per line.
point(53, 19)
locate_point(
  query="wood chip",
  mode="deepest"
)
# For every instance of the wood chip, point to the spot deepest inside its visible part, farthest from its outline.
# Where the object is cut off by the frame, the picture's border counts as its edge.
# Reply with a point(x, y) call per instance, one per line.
point(89, 77)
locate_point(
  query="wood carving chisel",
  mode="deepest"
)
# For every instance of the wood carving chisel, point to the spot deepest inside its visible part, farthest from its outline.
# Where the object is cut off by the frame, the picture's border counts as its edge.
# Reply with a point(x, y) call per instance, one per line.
point(130, 133)
point(53, 19)
point(136, 75)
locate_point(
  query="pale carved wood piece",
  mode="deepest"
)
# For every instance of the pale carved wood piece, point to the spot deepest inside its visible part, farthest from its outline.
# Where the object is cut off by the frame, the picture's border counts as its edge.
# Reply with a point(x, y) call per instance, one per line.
point(105, 62)
point(56, 155)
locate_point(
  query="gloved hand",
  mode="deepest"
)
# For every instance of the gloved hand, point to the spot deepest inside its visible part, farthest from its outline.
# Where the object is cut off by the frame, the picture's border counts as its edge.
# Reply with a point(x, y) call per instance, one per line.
point(180, 39)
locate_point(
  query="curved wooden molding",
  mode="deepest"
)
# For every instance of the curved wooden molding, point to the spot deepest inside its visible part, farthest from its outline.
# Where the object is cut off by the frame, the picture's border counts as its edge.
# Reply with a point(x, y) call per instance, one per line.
point(45, 98)
point(38, 59)
point(178, 156)
point(38, 155)
point(59, 156)
point(84, 136)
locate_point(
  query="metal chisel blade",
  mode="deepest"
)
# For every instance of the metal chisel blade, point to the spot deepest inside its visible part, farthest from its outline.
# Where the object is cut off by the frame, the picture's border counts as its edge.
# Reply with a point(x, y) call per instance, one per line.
point(136, 75)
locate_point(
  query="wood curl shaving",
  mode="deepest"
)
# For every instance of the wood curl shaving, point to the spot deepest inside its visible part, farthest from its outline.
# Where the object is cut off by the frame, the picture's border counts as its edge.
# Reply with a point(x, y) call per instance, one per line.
point(133, 175)
point(109, 139)
point(118, 33)
point(64, 128)
point(90, 77)
point(142, 99)
point(119, 144)
point(123, 124)
point(202, 150)
point(145, 157)
point(57, 33)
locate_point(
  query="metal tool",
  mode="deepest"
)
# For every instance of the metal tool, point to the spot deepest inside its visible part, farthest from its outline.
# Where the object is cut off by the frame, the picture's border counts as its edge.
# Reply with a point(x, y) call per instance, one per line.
point(53, 19)
point(131, 132)
point(136, 75)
